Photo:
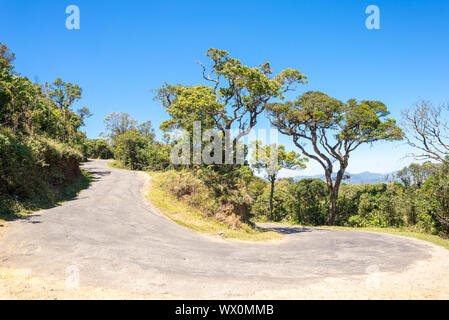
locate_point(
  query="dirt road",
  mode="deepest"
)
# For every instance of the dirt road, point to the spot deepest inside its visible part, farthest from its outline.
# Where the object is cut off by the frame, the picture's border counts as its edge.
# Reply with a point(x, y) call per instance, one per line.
point(117, 246)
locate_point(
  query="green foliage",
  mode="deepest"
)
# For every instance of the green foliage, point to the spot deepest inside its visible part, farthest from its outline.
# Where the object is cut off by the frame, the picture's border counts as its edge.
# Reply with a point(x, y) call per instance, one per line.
point(309, 201)
point(206, 190)
point(156, 157)
point(28, 108)
point(270, 159)
point(39, 139)
point(117, 124)
point(334, 129)
point(134, 146)
point(417, 174)
point(302, 202)
point(6, 57)
point(281, 201)
point(97, 149)
point(33, 168)
point(128, 148)
point(376, 207)
point(437, 194)
point(237, 95)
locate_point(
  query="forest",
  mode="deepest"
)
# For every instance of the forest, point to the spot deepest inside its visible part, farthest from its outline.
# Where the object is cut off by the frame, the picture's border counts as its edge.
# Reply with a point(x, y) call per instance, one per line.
point(42, 146)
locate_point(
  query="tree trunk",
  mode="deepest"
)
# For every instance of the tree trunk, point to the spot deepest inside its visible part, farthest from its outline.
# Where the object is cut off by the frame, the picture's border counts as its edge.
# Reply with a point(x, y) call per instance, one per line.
point(331, 211)
point(333, 192)
point(271, 198)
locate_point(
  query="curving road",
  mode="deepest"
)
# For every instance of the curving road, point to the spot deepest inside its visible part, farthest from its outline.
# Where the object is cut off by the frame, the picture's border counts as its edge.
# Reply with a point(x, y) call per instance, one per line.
point(117, 240)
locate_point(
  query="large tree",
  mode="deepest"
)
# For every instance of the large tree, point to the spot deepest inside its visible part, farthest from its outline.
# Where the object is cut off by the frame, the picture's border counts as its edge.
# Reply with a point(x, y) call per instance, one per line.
point(117, 123)
point(328, 131)
point(236, 96)
point(427, 129)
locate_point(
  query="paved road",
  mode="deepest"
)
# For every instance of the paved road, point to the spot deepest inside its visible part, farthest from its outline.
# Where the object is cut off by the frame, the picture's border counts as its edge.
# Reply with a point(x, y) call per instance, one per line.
point(118, 241)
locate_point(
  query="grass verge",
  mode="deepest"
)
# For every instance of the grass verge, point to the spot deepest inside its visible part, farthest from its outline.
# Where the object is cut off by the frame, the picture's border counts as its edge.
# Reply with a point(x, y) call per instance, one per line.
point(192, 218)
point(64, 194)
point(114, 164)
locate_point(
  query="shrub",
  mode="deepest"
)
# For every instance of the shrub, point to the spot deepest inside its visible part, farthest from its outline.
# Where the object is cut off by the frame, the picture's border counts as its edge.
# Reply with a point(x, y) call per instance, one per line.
point(281, 200)
point(215, 197)
point(97, 149)
point(309, 203)
point(33, 168)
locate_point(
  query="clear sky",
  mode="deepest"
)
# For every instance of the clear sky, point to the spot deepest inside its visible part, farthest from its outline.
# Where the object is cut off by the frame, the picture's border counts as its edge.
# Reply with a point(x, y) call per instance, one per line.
point(125, 49)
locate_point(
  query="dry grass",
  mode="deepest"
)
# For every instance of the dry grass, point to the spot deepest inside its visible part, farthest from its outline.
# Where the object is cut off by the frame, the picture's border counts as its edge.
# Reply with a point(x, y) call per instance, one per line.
point(192, 218)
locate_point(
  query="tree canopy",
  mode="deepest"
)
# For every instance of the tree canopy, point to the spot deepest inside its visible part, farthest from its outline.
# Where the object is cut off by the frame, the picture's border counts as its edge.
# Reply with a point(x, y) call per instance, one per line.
point(328, 130)
point(236, 95)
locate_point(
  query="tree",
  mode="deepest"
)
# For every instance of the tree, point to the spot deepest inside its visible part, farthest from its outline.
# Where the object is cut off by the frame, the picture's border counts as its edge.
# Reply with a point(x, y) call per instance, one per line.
point(117, 124)
point(128, 148)
point(98, 149)
point(333, 130)
point(64, 95)
point(28, 108)
point(417, 174)
point(271, 159)
point(238, 94)
point(6, 57)
point(427, 129)
point(146, 129)
point(84, 113)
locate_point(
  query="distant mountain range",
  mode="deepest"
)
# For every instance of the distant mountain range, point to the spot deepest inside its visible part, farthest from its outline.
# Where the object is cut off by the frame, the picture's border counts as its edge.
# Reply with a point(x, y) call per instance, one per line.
point(356, 178)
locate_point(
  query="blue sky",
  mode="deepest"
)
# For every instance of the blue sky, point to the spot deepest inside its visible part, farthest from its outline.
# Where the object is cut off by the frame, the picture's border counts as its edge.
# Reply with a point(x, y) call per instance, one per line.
point(125, 49)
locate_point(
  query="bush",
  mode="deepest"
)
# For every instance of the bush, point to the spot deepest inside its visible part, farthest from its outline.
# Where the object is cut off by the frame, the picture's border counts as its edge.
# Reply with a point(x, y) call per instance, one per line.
point(436, 191)
point(139, 152)
point(206, 190)
point(281, 203)
point(33, 168)
point(155, 157)
point(97, 149)
point(309, 203)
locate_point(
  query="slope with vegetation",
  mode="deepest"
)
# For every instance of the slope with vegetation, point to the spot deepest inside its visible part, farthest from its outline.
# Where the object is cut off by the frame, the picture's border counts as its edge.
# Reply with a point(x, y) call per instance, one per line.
point(324, 129)
point(40, 141)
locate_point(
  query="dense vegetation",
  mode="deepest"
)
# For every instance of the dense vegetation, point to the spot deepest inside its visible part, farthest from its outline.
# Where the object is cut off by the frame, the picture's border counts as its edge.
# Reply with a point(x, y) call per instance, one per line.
point(416, 198)
point(416, 207)
point(41, 146)
point(40, 140)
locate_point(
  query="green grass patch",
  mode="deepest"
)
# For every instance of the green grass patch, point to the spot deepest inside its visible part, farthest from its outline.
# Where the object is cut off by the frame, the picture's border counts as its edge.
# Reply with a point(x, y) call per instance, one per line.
point(115, 164)
point(191, 217)
point(21, 209)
